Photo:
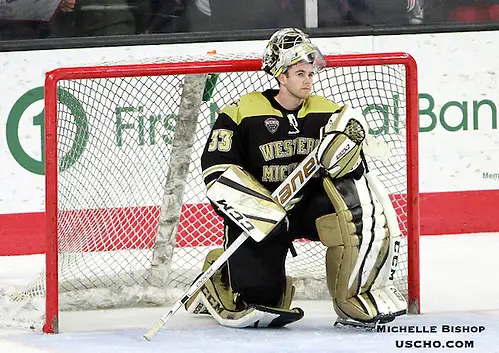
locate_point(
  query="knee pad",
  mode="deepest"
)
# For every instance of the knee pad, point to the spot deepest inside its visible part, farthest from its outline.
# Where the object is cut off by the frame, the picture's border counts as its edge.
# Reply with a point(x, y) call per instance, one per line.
point(358, 241)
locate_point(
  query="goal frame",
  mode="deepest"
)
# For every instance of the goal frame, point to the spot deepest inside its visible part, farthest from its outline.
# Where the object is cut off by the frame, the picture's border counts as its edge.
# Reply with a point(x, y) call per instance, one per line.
point(52, 78)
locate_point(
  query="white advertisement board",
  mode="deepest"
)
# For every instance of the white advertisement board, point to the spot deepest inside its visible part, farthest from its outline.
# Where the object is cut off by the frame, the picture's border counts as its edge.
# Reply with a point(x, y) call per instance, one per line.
point(458, 97)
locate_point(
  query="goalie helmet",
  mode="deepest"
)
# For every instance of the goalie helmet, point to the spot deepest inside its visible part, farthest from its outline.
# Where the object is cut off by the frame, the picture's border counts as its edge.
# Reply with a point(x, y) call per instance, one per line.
point(287, 47)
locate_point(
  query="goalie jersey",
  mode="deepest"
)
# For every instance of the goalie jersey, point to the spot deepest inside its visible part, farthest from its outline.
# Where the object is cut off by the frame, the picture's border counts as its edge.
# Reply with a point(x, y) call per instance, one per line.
point(257, 134)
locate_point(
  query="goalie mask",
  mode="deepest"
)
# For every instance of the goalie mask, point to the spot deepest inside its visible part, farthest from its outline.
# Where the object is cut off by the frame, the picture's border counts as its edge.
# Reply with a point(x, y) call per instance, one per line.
point(288, 47)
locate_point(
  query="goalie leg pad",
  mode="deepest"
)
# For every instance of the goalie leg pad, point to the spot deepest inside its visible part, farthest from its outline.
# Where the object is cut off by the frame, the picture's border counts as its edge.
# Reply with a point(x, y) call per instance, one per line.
point(195, 305)
point(358, 242)
point(218, 299)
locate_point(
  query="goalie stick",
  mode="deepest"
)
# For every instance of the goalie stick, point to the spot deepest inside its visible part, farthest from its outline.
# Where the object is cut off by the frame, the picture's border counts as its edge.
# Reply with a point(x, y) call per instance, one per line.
point(282, 195)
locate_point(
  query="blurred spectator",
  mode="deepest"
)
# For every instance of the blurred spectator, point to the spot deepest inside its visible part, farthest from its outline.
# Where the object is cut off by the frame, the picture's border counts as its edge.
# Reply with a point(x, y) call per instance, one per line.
point(104, 17)
point(14, 30)
point(443, 11)
point(75, 18)
point(415, 11)
point(377, 12)
point(67, 5)
point(166, 16)
point(119, 17)
point(227, 15)
point(474, 11)
point(78, 18)
point(24, 20)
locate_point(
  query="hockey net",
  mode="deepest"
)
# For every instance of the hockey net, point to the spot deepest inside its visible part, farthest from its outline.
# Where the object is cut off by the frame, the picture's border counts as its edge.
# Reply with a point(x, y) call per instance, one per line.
point(128, 222)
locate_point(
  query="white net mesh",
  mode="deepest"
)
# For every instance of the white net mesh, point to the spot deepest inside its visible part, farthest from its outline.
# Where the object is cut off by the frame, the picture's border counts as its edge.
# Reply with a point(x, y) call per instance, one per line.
point(127, 154)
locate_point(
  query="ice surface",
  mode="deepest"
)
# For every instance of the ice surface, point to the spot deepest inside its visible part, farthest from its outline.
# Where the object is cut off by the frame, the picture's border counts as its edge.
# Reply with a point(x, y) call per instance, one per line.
point(458, 286)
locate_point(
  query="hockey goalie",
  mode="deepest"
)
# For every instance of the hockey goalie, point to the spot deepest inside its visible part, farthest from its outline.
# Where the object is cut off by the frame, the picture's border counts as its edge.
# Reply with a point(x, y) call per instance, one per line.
point(254, 144)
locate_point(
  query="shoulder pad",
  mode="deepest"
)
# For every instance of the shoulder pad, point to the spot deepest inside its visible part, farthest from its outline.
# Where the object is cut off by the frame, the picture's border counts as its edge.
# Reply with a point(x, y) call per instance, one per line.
point(318, 104)
point(251, 104)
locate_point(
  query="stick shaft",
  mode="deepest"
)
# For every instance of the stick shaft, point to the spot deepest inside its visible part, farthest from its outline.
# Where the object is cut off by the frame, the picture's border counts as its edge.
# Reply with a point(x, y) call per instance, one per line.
point(196, 285)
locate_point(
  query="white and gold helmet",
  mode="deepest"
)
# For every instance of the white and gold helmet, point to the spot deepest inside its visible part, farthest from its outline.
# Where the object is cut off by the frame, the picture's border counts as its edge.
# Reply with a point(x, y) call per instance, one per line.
point(287, 47)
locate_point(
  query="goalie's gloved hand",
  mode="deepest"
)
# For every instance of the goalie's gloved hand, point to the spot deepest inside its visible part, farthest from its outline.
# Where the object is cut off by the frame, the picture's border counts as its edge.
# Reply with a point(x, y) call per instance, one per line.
point(341, 142)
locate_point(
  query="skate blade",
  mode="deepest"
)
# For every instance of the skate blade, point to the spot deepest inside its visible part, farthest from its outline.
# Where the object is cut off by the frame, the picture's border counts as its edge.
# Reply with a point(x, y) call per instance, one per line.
point(369, 326)
point(365, 326)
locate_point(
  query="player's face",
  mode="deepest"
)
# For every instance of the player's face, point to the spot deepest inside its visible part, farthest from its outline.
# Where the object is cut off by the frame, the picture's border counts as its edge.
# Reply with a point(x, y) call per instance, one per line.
point(298, 80)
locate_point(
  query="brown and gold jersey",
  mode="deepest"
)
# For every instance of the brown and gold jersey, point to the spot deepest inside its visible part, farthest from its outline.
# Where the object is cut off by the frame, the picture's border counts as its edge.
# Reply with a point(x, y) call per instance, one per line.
point(259, 135)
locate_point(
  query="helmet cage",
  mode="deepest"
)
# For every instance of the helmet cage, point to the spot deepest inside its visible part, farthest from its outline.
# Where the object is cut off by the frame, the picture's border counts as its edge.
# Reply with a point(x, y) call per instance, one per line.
point(288, 47)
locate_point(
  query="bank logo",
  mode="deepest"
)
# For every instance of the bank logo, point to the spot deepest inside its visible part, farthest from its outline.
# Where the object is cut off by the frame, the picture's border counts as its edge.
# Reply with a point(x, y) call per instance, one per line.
point(12, 130)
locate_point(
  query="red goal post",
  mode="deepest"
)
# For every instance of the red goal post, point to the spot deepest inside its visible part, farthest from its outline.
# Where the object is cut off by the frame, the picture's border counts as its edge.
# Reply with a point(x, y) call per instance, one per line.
point(403, 63)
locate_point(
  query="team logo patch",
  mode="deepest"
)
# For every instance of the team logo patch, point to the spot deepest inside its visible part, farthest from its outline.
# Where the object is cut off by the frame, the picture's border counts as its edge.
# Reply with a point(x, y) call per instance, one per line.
point(272, 124)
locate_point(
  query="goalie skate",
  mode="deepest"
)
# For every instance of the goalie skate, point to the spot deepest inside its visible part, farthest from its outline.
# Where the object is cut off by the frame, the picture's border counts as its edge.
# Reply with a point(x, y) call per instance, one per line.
point(369, 326)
